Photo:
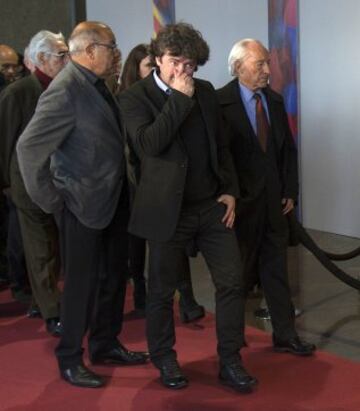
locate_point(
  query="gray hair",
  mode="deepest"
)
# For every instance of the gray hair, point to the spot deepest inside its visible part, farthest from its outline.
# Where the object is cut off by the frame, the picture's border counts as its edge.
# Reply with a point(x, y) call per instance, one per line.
point(43, 42)
point(239, 53)
point(82, 39)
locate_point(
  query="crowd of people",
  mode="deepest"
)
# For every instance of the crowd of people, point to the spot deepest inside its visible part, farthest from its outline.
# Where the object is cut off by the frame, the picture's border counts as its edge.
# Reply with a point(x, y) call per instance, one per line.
point(95, 167)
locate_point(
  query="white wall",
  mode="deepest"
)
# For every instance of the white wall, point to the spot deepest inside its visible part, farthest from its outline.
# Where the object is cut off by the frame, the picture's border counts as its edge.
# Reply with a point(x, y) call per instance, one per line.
point(222, 22)
point(330, 114)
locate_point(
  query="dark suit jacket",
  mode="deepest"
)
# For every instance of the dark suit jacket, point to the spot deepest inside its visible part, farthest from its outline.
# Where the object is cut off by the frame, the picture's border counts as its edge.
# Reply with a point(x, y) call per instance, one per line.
point(72, 151)
point(250, 162)
point(153, 127)
point(17, 106)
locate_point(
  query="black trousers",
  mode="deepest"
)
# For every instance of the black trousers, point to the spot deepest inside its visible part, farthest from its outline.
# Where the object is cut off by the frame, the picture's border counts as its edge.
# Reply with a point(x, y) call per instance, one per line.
point(219, 247)
point(137, 253)
point(262, 233)
point(3, 236)
point(95, 266)
point(15, 249)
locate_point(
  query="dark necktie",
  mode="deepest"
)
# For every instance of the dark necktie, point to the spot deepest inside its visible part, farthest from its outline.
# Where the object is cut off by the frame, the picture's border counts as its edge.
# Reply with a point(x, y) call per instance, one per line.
point(105, 92)
point(262, 123)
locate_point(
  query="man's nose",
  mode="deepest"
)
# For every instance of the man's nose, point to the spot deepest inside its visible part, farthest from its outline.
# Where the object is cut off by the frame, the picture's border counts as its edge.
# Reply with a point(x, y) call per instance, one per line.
point(266, 68)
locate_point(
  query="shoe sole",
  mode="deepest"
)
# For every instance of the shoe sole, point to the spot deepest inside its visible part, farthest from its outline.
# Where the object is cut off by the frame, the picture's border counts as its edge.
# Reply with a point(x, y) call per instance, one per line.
point(112, 362)
point(177, 387)
point(243, 390)
point(288, 350)
point(84, 385)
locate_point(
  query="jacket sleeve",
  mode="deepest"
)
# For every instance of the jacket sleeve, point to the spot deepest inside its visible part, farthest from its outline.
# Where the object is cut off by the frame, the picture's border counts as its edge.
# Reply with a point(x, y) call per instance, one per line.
point(10, 127)
point(152, 132)
point(226, 164)
point(290, 163)
point(50, 126)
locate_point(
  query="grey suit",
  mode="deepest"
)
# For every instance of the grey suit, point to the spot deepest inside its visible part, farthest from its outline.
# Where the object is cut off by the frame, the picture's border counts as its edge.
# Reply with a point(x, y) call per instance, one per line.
point(75, 130)
point(71, 156)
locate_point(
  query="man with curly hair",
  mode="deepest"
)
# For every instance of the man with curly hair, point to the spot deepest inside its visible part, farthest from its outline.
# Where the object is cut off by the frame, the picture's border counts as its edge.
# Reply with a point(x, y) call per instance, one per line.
point(186, 193)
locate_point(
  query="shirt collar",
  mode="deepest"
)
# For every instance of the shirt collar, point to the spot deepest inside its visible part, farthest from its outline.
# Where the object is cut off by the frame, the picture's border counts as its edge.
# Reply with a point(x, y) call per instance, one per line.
point(164, 87)
point(89, 75)
point(248, 94)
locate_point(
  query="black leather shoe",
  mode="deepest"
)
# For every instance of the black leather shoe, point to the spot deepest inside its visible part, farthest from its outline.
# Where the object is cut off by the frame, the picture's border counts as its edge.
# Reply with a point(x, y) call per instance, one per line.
point(81, 376)
point(235, 376)
point(171, 374)
point(120, 356)
point(53, 326)
point(191, 312)
point(33, 312)
point(294, 346)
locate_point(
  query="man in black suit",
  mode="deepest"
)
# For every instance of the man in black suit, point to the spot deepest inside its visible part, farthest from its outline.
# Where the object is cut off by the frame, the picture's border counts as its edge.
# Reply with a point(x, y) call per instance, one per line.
point(71, 157)
point(265, 157)
point(186, 192)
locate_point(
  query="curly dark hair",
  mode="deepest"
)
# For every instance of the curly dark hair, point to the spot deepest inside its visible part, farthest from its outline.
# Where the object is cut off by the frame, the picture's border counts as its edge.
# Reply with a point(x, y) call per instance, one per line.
point(131, 70)
point(180, 39)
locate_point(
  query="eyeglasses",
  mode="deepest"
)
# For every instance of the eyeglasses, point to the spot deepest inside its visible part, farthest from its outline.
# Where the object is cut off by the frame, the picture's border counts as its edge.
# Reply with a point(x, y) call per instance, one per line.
point(111, 46)
point(60, 54)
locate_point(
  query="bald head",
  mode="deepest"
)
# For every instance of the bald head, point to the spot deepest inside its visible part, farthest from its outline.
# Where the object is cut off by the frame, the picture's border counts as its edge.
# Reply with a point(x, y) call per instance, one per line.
point(86, 33)
point(92, 44)
point(8, 62)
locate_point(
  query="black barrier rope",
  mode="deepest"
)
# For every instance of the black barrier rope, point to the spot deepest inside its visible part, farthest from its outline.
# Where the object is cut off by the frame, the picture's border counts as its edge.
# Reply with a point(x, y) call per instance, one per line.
point(345, 256)
point(297, 230)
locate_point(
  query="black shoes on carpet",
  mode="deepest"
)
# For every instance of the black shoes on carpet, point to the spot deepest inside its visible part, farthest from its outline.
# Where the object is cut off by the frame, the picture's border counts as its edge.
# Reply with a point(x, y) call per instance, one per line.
point(120, 356)
point(81, 376)
point(33, 312)
point(294, 346)
point(235, 376)
point(171, 375)
point(53, 326)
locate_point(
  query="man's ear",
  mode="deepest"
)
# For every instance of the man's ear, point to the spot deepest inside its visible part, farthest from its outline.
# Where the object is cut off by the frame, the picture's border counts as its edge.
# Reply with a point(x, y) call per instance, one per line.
point(41, 57)
point(237, 67)
point(158, 61)
point(90, 51)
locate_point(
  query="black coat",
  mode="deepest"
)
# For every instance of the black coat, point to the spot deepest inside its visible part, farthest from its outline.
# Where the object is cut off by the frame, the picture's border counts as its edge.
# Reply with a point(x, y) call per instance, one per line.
point(17, 106)
point(152, 125)
point(249, 160)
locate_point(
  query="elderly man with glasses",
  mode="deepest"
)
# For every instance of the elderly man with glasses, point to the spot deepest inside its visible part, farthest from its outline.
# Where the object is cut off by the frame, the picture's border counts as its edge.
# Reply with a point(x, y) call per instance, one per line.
point(72, 160)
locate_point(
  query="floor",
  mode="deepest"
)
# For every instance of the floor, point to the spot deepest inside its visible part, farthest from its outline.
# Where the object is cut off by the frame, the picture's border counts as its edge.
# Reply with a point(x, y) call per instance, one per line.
point(330, 309)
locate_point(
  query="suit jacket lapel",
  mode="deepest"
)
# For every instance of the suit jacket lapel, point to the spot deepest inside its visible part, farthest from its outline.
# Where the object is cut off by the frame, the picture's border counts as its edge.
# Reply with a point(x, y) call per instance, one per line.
point(154, 93)
point(209, 121)
point(239, 112)
point(95, 97)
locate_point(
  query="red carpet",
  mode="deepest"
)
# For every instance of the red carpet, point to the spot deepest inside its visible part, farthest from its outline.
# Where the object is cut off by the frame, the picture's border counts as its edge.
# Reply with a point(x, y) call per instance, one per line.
point(29, 377)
